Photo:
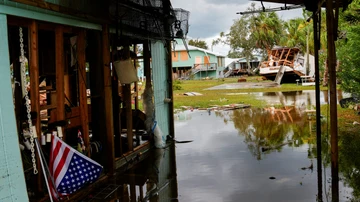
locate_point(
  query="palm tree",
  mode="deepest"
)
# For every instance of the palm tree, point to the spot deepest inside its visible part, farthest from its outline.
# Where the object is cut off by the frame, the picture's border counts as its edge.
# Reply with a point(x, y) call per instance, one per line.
point(267, 30)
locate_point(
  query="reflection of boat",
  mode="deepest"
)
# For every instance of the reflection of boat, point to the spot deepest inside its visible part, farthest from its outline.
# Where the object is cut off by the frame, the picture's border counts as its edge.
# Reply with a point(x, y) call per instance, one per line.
point(285, 60)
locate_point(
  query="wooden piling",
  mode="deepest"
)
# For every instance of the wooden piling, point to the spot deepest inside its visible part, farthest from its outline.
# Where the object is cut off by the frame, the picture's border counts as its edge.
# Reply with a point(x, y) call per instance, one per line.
point(331, 58)
point(34, 90)
point(59, 65)
point(81, 44)
point(108, 101)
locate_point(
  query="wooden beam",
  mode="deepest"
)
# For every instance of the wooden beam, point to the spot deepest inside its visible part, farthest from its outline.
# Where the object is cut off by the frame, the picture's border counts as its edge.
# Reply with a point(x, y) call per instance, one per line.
point(167, 11)
point(34, 91)
point(17, 21)
point(331, 58)
point(147, 69)
point(81, 43)
point(317, 32)
point(170, 90)
point(129, 117)
point(110, 151)
point(59, 65)
point(136, 83)
point(116, 112)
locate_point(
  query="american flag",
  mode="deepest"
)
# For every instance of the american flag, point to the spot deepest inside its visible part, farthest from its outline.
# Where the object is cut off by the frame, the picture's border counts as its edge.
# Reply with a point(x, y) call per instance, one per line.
point(70, 169)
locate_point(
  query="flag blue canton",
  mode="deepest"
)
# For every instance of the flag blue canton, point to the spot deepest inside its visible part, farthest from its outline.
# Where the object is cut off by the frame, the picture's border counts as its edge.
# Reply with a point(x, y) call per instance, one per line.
point(79, 173)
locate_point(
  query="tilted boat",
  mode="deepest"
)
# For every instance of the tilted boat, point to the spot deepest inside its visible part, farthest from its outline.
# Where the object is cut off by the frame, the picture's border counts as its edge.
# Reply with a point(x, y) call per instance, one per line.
point(286, 61)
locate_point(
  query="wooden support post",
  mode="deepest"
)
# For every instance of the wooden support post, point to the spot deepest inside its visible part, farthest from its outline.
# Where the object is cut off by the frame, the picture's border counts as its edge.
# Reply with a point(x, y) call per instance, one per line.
point(59, 62)
point(34, 90)
point(132, 188)
point(116, 113)
point(317, 31)
point(82, 87)
point(331, 58)
point(110, 152)
point(129, 117)
point(170, 90)
point(136, 83)
point(147, 69)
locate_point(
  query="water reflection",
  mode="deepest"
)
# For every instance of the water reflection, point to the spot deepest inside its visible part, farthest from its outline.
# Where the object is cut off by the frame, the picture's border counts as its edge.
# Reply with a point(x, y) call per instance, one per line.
point(270, 128)
point(261, 155)
point(298, 98)
point(349, 164)
point(153, 180)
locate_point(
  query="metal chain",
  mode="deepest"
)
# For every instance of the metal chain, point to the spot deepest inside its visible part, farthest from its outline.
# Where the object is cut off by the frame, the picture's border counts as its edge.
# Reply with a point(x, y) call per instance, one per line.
point(28, 108)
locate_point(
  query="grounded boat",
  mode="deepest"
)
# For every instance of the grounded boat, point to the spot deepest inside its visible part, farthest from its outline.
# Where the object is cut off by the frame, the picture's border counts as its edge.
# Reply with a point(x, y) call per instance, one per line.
point(285, 61)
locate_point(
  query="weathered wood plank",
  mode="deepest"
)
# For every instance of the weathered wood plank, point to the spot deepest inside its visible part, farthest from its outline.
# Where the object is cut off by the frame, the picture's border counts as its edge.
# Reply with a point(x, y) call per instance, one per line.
point(110, 152)
point(136, 83)
point(59, 63)
point(34, 92)
point(129, 125)
point(81, 43)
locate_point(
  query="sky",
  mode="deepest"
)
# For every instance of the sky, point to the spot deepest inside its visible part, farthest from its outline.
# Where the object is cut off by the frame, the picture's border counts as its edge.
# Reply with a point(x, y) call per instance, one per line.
point(210, 17)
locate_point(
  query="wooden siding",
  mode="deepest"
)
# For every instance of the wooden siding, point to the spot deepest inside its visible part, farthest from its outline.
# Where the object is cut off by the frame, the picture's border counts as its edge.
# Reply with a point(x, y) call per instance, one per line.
point(12, 183)
point(161, 91)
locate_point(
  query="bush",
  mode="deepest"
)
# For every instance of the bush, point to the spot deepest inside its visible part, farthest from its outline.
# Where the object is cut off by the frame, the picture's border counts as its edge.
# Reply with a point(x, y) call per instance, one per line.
point(177, 85)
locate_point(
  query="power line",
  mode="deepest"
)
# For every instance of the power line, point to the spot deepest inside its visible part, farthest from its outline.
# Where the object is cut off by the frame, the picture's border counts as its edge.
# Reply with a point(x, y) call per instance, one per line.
point(272, 9)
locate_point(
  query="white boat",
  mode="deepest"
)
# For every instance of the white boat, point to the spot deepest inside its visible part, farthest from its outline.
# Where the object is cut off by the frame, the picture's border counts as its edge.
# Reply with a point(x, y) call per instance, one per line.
point(287, 58)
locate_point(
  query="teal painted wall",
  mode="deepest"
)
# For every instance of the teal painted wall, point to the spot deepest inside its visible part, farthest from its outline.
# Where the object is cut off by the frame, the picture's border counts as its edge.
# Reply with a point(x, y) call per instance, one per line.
point(191, 61)
point(12, 180)
point(161, 91)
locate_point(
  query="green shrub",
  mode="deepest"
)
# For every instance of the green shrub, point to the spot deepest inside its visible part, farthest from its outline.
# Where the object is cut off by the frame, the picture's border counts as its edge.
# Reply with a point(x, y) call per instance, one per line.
point(177, 85)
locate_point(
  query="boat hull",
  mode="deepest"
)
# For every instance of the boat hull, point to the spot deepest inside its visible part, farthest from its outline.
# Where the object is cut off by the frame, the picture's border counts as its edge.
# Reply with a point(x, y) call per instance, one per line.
point(290, 75)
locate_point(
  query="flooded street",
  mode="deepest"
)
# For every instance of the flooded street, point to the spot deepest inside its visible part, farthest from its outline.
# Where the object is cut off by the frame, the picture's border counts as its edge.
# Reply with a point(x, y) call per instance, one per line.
point(255, 154)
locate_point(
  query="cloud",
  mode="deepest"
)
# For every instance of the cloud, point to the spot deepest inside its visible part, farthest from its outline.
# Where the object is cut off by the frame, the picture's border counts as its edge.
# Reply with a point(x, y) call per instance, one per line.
point(210, 17)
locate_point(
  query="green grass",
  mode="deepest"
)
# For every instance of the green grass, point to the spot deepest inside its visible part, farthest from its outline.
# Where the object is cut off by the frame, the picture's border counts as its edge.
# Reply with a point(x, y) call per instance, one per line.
point(221, 97)
point(346, 117)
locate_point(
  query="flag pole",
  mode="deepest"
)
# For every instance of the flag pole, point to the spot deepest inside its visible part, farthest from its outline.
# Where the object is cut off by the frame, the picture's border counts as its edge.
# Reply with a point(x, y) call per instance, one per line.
point(43, 169)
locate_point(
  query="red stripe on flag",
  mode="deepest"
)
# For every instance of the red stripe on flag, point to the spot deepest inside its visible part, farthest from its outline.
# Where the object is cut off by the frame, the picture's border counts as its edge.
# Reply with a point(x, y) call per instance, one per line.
point(54, 154)
point(61, 163)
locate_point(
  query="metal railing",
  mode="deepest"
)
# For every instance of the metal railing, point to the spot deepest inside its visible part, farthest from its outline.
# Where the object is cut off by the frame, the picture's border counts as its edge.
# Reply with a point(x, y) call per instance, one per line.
point(204, 67)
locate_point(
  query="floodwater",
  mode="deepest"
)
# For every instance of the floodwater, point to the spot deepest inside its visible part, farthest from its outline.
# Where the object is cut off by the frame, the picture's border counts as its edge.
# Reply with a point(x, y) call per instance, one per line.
point(297, 98)
point(259, 154)
point(247, 155)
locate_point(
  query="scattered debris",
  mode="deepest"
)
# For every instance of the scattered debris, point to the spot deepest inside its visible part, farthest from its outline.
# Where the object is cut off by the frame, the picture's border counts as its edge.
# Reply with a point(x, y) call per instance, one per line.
point(311, 167)
point(241, 80)
point(217, 107)
point(192, 94)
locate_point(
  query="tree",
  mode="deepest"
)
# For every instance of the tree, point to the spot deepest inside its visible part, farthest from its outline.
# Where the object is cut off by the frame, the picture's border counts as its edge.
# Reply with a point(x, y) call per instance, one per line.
point(348, 49)
point(198, 43)
point(297, 32)
point(255, 32)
